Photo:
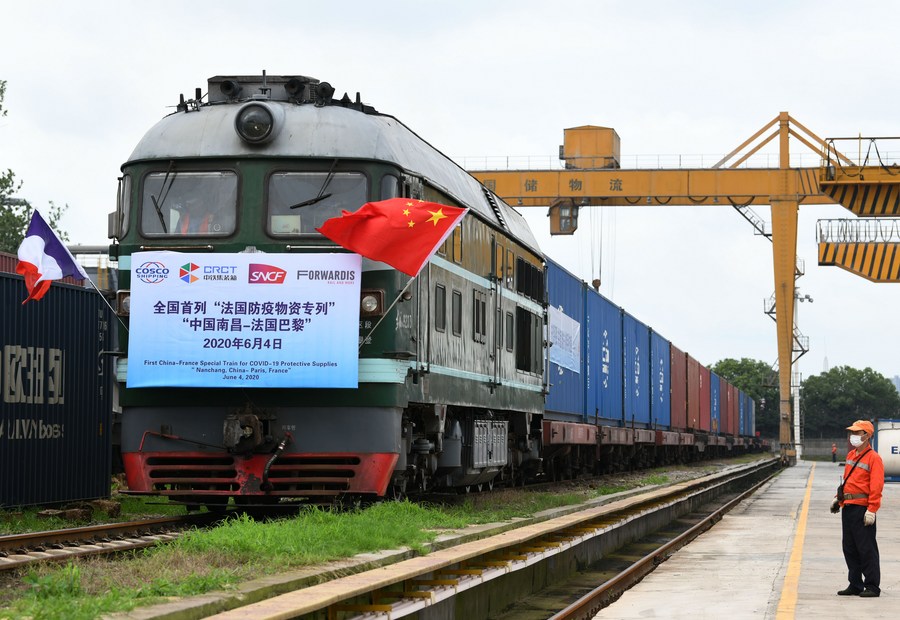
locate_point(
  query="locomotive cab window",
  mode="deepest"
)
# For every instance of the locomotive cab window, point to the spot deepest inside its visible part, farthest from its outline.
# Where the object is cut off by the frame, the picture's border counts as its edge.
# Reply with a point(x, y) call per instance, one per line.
point(390, 187)
point(300, 202)
point(123, 209)
point(189, 204)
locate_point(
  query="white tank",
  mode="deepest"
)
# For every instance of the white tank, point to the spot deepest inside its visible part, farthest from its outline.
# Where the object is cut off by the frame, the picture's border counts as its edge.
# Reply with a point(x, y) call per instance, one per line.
point(887, 441)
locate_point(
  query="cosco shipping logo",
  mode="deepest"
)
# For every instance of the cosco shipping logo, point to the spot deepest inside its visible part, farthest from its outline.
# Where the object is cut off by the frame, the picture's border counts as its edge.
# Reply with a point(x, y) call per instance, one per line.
point(152, 272)
point(265, 274)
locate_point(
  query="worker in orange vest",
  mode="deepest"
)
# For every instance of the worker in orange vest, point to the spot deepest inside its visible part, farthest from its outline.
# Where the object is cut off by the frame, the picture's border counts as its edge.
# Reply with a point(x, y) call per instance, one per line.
point(834, 453)
point(195, 217)
point(859, 494)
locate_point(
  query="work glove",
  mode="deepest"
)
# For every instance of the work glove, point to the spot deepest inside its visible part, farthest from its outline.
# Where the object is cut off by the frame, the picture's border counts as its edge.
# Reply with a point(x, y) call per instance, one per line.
point(835, 506)
point(869, 519)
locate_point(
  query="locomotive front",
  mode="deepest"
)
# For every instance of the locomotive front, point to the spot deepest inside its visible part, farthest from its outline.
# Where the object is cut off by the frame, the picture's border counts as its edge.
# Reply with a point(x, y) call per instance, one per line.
point(262, 362)
point(243, 322)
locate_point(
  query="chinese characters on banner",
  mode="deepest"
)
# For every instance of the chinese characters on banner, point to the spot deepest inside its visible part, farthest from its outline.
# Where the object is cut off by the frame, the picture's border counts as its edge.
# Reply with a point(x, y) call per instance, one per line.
point(244, 320)
point(565, 338)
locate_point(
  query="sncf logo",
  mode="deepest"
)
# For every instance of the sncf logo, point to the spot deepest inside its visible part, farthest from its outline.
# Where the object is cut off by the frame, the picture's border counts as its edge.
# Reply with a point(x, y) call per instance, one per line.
point(265, 274)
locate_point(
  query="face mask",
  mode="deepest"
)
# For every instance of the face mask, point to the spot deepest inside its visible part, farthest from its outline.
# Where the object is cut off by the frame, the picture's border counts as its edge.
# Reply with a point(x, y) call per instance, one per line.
point(856, 441)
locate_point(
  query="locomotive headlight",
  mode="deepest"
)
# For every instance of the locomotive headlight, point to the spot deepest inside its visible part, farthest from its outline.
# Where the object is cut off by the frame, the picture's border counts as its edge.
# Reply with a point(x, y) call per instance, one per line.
point(257, 123)
point(371, 303)
point(123, 303)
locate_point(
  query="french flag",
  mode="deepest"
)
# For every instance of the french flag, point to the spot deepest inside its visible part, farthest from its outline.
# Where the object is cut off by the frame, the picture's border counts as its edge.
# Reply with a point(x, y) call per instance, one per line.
point(43, 258)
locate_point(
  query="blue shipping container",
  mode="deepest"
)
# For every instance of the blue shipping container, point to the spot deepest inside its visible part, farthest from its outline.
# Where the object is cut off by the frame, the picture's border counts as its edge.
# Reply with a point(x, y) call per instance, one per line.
point(55, 412)
point(566, 334)
point(660, 381)
point(749, 426)
point(715, 411)
point(603, 351)
point(636, 374)
point(742, 407)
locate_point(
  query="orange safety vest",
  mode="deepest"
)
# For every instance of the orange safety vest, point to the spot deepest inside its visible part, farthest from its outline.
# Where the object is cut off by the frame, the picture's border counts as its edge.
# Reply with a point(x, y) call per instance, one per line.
point(867, 479)
point(186, 227)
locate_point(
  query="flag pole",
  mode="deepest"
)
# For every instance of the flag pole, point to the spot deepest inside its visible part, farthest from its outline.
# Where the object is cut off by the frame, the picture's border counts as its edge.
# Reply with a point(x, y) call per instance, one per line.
point(391, 307)
point(108, 305)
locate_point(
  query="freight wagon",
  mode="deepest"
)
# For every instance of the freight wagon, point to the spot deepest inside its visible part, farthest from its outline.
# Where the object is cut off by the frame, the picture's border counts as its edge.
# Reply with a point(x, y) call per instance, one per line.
point(647, 401)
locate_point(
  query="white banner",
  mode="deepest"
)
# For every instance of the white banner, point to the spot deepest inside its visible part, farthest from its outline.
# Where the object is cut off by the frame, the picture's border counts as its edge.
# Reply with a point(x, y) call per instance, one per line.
point(565, 340)
point(244, 320)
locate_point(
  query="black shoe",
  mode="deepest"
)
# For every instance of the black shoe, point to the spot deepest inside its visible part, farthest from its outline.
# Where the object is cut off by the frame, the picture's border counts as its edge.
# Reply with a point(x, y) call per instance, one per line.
point(851, 591)
point(870, 593)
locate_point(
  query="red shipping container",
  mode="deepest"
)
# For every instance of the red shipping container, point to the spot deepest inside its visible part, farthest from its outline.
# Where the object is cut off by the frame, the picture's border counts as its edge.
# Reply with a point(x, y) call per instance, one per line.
point(705, 408)
point(723, 406)
point(693, 393)
point(678, 387)
point(8, 262)
point(734, 407)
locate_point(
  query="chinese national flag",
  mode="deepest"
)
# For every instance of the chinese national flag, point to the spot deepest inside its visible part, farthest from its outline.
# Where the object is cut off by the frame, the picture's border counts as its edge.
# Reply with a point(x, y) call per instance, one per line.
point(402, 232)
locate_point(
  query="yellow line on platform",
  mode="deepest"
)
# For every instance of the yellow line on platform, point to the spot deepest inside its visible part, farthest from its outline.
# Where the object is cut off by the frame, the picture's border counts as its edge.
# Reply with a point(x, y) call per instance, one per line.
point(787, 605)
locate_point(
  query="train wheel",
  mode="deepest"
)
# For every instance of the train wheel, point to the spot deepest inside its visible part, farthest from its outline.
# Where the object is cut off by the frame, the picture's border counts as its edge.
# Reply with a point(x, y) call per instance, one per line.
point(397, 492)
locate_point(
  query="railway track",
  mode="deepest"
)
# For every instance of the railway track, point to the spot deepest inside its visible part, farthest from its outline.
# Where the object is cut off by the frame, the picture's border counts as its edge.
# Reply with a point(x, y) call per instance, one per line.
point(19, 550)
point(478, 579)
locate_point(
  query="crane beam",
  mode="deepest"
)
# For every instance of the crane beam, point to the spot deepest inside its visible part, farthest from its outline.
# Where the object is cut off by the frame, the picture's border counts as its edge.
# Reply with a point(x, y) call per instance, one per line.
point(617, 187)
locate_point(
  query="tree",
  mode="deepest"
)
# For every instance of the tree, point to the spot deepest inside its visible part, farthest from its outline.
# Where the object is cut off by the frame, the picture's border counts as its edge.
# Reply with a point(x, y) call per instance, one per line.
point(758, 380)
point(833, 400)
point(15, 214)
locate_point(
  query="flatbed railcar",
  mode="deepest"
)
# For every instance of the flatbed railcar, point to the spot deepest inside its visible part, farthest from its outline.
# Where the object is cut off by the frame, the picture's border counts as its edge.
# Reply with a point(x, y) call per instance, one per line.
point(456, 386)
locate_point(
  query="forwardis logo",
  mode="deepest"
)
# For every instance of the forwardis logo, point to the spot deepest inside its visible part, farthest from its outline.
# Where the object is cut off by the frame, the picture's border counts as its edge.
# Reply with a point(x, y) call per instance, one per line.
point(186, 273)
point(331, 276)
point(152, 272)
point(266, 274)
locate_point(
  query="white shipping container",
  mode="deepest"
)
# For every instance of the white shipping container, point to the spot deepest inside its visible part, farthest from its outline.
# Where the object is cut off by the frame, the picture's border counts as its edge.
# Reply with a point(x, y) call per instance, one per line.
point(887, 443)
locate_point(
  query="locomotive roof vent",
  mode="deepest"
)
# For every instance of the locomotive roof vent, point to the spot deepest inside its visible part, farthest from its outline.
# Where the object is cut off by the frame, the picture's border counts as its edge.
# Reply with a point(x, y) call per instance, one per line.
point(288, 88)
point(294, 88)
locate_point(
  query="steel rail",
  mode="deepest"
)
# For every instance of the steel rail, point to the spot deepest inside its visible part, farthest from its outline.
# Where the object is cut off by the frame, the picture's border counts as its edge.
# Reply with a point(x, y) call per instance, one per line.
point(605, 594)
point(17, 550)
point(447, 572)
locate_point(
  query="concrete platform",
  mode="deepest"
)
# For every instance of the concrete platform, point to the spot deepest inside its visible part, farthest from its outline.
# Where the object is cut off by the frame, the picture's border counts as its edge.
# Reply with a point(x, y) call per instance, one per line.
point(776, 555)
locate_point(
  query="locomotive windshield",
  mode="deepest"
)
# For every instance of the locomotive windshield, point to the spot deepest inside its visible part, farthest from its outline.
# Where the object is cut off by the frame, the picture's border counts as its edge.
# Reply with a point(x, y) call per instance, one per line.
point(314, 196)
point(189, 204)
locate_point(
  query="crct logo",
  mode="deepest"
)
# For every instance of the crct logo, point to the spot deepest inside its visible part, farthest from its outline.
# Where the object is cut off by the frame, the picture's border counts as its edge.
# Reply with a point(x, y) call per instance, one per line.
point(265, 274)
point(186, 273)
point(152, 272)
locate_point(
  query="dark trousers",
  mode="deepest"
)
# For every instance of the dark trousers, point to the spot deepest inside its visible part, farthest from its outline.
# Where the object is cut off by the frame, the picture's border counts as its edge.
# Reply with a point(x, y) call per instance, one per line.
point(860, 549)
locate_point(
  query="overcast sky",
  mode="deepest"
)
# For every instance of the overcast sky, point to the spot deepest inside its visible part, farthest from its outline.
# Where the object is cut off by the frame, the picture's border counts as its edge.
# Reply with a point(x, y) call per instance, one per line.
point(85, 80)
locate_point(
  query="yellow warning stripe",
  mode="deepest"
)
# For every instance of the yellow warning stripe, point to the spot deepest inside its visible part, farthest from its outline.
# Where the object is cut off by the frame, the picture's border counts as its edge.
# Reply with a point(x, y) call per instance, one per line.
point(865, 199)
point(876, 261)
point(787, 605)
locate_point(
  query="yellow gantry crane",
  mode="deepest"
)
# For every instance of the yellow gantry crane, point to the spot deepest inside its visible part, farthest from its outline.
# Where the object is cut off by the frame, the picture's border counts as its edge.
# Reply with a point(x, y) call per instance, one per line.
point(592, 177)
